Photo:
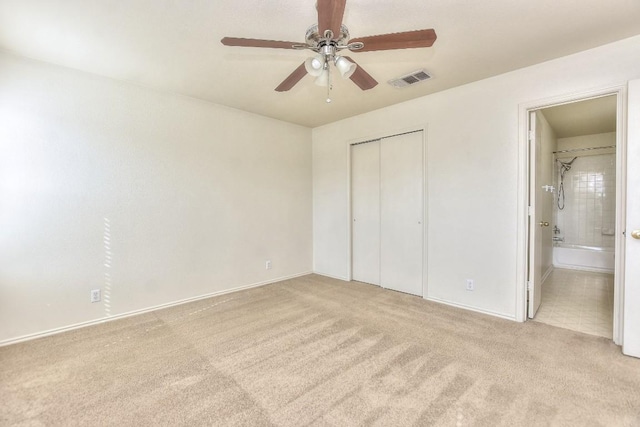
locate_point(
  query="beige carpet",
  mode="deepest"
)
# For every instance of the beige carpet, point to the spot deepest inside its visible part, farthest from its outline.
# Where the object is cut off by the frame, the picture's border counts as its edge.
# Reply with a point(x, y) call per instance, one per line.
point(317, 351)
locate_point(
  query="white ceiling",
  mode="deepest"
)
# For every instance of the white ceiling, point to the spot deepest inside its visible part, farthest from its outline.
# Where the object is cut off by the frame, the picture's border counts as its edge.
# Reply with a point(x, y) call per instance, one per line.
point(175, 45)
point(583, 118)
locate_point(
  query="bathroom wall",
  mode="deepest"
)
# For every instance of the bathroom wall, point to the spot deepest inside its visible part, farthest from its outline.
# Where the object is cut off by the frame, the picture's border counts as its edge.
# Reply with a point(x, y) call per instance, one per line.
point(588, 217)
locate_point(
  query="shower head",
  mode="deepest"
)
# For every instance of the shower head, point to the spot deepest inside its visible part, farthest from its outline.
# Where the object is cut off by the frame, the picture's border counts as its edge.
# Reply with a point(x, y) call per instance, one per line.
point(566, 165)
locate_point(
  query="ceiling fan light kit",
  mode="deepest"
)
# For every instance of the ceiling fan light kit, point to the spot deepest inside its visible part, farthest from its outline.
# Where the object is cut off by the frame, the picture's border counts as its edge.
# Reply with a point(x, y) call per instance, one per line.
point(323, 78)
point(315, 65)
point(330, 36)
point(346, 67)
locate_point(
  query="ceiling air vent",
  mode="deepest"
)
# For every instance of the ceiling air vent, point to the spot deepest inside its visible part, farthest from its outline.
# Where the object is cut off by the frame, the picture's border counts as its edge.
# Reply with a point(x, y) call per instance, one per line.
point(410, 79)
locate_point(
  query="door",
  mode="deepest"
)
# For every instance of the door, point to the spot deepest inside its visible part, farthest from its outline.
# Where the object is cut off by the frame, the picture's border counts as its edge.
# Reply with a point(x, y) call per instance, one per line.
point(535, 215)
point(631, 325)
point(401, 213)
point(365, 212)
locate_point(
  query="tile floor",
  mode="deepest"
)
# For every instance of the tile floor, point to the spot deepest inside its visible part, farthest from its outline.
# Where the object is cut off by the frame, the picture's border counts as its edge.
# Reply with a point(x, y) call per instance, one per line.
point(578, 300)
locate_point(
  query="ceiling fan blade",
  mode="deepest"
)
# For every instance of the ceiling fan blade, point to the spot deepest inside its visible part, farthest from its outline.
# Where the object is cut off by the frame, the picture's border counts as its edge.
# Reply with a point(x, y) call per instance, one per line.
point(330, 13)
point(406, 40)
point(235, 41)
point(362, 78)
point(293, 78)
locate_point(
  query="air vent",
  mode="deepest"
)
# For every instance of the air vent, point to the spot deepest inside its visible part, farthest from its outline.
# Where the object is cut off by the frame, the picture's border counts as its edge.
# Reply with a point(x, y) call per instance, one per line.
point(410, 79)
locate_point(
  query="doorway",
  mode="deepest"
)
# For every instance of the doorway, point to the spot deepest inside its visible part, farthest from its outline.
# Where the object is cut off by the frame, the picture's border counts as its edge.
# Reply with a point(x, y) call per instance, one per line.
point(574, 222)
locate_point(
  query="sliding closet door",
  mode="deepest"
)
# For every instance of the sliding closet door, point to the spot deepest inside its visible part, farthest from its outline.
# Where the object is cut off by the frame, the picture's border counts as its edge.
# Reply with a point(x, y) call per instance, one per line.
point(365, 210)
point(401, 213)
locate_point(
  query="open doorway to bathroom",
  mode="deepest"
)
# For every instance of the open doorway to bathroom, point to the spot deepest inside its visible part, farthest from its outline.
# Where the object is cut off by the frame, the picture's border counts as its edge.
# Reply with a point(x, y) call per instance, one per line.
point(574, 232)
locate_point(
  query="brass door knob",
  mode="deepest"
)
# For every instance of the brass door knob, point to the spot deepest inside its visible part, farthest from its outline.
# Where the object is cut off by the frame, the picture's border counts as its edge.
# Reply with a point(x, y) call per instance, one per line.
point(635, 234)
point(546, 224)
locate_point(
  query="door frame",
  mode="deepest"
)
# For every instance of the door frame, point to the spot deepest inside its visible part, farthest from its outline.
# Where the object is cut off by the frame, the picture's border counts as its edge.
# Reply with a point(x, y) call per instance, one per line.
point(425, 218)
point(523, 196)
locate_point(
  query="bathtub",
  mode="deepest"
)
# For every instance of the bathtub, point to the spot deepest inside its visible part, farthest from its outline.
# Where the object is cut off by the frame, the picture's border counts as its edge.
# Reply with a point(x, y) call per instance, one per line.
point(578, 257)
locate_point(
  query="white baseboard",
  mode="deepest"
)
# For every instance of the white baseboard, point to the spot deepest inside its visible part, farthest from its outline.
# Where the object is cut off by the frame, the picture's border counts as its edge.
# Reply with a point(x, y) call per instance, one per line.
point(582, 268)
point(452, 304)
point(331, 276)
point(144, 310)
point(475, 309)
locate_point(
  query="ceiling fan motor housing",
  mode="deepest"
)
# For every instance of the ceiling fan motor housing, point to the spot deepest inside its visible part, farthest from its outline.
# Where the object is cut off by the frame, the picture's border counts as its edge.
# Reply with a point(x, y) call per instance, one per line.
point(317, 40)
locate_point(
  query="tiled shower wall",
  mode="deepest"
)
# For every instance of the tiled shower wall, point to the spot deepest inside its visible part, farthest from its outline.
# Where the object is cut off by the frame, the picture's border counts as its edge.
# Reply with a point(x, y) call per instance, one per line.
point(588, 217)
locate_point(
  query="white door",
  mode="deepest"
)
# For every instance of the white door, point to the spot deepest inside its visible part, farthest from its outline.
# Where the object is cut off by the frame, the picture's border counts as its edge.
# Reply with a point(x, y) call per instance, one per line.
point(365, 212)
point(631, 325)
point(535, 218)
point(401, 213)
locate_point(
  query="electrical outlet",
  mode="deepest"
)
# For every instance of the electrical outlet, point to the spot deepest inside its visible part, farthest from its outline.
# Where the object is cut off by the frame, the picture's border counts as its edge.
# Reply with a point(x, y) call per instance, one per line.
point(267, 265)
point(470, 284)
point(95, 295)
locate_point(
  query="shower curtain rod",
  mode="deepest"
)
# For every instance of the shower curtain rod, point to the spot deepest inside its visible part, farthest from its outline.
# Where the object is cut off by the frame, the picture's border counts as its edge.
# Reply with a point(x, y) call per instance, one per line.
point(583, 149)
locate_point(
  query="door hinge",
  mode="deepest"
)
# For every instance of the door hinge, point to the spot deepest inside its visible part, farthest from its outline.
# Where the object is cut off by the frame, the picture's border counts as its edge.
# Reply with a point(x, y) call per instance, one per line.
point(529, 287)
point(531, 135)
point(529, 210)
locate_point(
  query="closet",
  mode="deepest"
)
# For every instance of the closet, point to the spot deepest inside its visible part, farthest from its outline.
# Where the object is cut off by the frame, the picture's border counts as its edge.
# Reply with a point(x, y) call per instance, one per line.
point(387, 212)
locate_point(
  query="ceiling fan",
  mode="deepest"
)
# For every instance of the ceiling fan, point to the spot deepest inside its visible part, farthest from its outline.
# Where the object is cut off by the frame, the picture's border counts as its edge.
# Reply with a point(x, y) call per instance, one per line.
point(328, 37)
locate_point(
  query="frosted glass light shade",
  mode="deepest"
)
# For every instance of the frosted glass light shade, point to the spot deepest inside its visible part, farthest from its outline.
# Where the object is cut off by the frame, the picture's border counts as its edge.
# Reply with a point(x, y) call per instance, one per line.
point(345, 67)
point(322, 79)
point(315, 65)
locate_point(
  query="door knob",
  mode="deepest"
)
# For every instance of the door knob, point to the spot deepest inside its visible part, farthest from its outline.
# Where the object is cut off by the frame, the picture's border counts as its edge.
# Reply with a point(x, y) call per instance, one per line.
point(546, 224)
point(635, 234)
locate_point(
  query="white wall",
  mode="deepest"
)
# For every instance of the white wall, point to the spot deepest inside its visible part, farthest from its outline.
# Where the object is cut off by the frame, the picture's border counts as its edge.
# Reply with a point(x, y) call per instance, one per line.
point(472, 172)
point(549, 144)
point(197, 197)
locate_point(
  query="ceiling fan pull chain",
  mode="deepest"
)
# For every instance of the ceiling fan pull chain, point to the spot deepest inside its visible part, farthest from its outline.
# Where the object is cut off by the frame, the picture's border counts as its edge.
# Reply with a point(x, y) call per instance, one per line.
point(329, 83)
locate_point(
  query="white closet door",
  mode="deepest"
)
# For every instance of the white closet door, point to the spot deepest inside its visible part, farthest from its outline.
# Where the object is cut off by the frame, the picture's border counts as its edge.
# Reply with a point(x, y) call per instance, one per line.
point(365, 210)
point(401, 213)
